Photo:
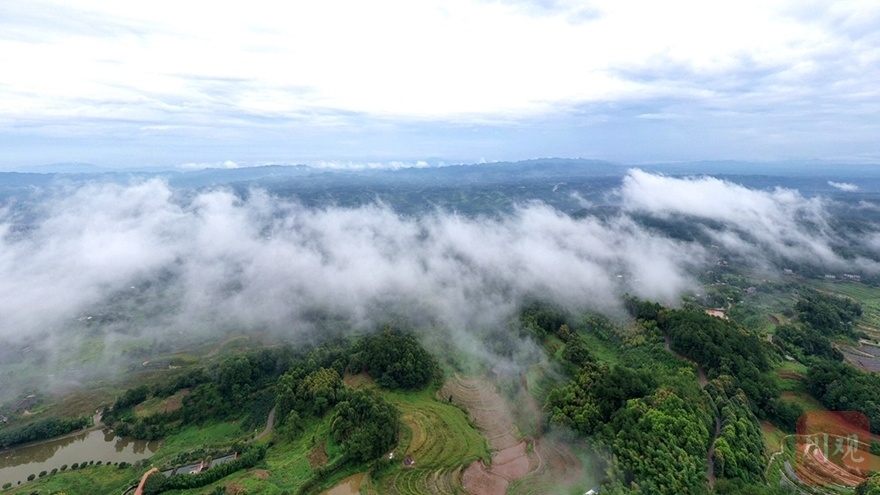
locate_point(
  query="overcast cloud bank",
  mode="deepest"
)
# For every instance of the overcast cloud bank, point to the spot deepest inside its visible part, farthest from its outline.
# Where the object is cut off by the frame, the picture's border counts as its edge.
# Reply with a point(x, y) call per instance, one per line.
point(164, 84)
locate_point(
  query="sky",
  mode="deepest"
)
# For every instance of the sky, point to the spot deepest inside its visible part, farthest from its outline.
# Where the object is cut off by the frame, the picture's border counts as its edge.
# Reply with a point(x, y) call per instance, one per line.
point(197, 83)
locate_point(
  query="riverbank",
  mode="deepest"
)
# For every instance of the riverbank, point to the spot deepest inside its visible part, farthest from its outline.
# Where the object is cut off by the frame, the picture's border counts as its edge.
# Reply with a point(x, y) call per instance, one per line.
point(94, 445)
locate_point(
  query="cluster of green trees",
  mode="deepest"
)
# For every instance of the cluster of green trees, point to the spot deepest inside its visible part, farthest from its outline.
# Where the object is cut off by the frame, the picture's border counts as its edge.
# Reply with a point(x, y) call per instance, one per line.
point(541, 319)
point(841, 387)
point(870, 486)
point(41, 430)
point(722, 347)
point(365, 425)
point(657, 427)
point(660, 443)
point(596, 392)
point(304, 385)
point(803, 341)
point(836, 384)
point(832, 315)
point(218, 391)
point(739, 449)
point(820, 317)
point(654, 419)
point(394, 359)
point(298, 396)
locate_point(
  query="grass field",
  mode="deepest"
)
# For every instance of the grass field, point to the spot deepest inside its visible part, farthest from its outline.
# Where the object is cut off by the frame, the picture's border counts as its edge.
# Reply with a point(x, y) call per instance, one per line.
point(807, 401)
point(442, 435)
point(438, 434)
point(772, 437)
point(88, 481)
point(216, 435)
point(156, 405)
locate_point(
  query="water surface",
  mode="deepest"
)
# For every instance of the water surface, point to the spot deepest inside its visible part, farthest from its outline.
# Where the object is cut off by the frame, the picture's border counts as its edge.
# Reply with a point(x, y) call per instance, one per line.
point(348, 486)
point(94, 445)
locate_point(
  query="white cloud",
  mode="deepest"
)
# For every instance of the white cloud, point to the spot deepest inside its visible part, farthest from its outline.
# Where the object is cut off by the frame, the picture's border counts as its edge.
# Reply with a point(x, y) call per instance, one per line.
point(843, 186)
point(393, 58)
point(760, 224)
point(264, 262)
point(199, 263)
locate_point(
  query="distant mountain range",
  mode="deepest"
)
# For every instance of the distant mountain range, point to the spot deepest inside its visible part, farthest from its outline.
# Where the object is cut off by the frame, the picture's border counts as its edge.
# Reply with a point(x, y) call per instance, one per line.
point(809, 177)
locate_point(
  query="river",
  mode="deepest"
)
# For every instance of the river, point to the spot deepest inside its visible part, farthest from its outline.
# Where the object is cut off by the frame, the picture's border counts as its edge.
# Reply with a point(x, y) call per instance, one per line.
point(93, 445)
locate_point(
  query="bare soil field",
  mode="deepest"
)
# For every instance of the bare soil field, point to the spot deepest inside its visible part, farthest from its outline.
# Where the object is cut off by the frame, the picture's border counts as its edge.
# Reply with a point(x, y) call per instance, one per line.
point(539, 462)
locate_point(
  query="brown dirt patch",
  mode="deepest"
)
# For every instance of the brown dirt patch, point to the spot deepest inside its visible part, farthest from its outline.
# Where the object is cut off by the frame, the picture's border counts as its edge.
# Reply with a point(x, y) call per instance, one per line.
point(773, 319)
point(509, 454)
point(789, 375)
point(490, 414)
point(559, 463)
point(477, 480)
point(516, 463)
point(318, 456)
point(261, 474)
point(359, 381)
point(235, 489)
point(170, 404)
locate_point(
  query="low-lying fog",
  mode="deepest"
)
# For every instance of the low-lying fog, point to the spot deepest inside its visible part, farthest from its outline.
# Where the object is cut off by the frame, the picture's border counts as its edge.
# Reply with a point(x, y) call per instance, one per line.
point(206, 260)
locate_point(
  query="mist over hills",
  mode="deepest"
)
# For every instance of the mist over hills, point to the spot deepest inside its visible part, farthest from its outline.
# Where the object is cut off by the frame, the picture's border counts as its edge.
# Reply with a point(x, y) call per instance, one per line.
point(179, 257)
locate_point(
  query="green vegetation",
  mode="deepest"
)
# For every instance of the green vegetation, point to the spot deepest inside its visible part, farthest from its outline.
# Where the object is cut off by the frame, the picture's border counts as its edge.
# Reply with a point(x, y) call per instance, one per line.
point(867, 296)
point(668, 400)
point(395, 360)
point(365, 425)
point(739, 448)
point(41, 430)
point(841, 387)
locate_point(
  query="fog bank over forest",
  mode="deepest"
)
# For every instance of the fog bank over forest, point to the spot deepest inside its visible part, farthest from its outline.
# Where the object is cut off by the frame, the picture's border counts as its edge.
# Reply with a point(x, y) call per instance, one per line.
point(177, 262)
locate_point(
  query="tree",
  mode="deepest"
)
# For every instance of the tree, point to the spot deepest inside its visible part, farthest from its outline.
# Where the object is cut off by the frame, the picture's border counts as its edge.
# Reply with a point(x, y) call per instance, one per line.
point(154, 484)
point(365, 425)
point(395, 360)
point(870, 486)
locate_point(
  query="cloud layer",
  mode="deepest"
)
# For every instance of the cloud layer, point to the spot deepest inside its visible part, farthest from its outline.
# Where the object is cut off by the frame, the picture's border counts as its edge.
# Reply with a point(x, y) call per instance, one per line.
point(341, 80)
point(214, 260)
point(143, 262)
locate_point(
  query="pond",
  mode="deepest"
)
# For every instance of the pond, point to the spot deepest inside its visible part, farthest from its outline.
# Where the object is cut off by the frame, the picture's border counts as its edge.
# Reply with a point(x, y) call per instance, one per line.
point(348, 486)
point(95, 445)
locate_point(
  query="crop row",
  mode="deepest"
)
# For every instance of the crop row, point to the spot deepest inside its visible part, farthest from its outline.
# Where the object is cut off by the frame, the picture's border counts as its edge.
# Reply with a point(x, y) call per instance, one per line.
point(426, 481)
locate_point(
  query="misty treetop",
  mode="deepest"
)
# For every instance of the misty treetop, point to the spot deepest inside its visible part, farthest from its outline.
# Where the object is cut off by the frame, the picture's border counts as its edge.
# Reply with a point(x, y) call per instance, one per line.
point(395, 359)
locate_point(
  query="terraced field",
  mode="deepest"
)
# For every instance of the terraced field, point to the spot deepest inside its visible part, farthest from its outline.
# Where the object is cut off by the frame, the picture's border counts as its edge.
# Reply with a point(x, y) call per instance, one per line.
point(520, 465)
point(440, 440)
point(865, 355)
point(417, 481)
point(450, 448)
point(441, 436)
